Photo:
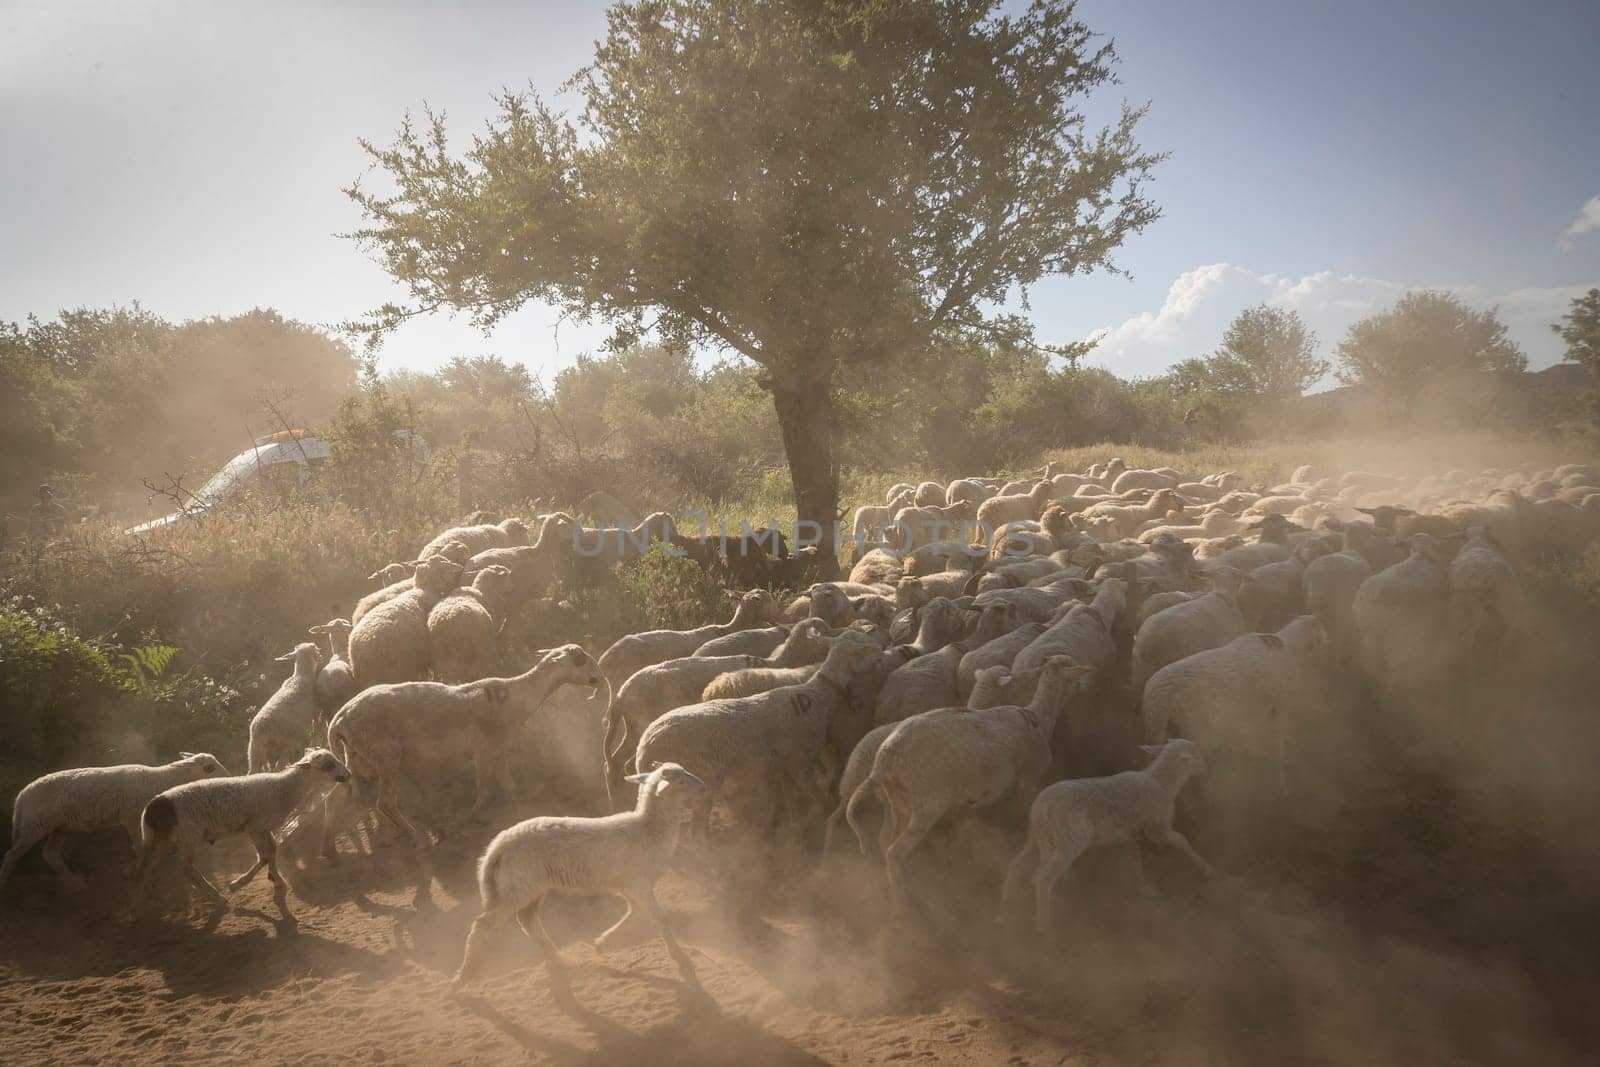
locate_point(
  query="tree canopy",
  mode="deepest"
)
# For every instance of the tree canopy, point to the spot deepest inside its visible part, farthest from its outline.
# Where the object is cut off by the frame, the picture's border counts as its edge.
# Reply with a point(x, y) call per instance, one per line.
point(1428, 340)
point(1580, 329)
point(810, 186)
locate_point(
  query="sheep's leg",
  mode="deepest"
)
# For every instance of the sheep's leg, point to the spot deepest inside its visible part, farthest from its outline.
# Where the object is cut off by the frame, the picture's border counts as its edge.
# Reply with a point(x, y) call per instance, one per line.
point(1141, 880)
point(483, 929)
point(605, 938)
point(198, 880)
point(14, 854)
point(1050, 871)
point(1181, 843)
point(894, 858)
point(679, 956)
point(483, 760)
point(389, 808)
point(334, 807)
point(530, 919)
point(508, 785)
point(1021, 867)
point(135, 834)
point(58, 863)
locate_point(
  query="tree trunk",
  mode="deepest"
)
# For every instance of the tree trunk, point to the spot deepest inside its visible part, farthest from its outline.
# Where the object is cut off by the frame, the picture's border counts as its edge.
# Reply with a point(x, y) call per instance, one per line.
point(805, 414)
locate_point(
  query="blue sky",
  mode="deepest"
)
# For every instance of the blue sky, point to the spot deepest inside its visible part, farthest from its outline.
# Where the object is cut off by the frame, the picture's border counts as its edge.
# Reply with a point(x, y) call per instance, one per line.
point(1324, 157)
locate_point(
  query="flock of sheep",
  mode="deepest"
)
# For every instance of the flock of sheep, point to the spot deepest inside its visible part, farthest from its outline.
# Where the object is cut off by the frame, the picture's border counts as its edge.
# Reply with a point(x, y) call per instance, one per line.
point(1068, 670)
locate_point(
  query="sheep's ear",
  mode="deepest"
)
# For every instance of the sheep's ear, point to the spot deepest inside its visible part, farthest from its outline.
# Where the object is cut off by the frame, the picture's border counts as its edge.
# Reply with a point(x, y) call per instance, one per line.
point(286, 657)
point(636, 778)
point(186, 755)
point(662, 786)
point(318, 629)
point(1150, 750)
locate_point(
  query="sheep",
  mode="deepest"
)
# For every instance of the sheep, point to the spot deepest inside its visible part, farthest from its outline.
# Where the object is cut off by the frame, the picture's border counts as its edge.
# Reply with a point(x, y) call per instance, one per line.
point(1083, 632)
point(1186, 628)
point(917, 526)
point(534, 568)
point(1276, 592)
point(389, 727)
point(953, 759)
point(992, 688)
point(1272, 546)
point(634, 651)
point(1156, 603)
point(997, 651)
point(185, 817)
point(625, 854)
point(390, 643)
point(931, 679)
point(877, 566)
point(1068, 818)
point(464, 627)
point(1126, 518)
point(790, 664)
point(943, 556)
point(655, 690)
point(480, 537)
point(948, 584)
point(873, 608)
point(772, 738)
point(1025, 572)
point(1485, 597)
point(929, 494)
point(1246, 690)
point(870, 519)
point(1329, 586)
point(278, 730)
point(761, 641)
point(1399, 613)
point(336, 682)
point(967, 491)
point(1211, 524)
point(383, 595)
point(1035, 603)
point(1005, 507)
point(92, 798)
point(1143, 479)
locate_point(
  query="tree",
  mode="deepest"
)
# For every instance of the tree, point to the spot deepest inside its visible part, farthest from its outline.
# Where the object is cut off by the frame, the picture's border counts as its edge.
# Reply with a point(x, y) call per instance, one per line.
point(1267, 360)
point(1428, 340)
point(1582, 331)
point(811, 186)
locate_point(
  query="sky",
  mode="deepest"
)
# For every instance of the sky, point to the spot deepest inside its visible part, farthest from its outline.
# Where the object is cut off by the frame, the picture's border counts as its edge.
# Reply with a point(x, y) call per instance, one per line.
point(1324, 157)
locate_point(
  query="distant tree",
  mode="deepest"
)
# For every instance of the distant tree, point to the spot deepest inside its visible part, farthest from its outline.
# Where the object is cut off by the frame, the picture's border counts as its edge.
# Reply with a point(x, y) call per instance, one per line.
point(811, 186)
point(1428, 340)
point(1581, 331)
point(1267, 359)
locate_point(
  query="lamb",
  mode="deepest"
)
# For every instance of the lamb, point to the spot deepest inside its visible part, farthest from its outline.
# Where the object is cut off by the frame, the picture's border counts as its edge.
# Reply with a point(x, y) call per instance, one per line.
point(790, 664)
point(336, 682)
point(629, 654)
point(625, 854)
point(391, 574)
point(996, 511)
point(917, 526)
point(278, 730)
point(931, 680)
point(390, 643)
point(1193, 626)
point(480, 537)
point(92, 798)
point(1211, 524)
point(1127, 518)
point(954, 758)
point(997, 651)
point(1083, 632)
point(967, 491)
point(877, 566)
point(1272, 547)
point(1399, 613)
point(772, 738)
point(992, 688)
point(943, 556)
point(464, 627)
point(761, 641)
point(388, 727)
point(1014, 575)
point(1245, 690)
point(534, 568)
point(1068, 818)
point(185, 817)
point(1485, 597)
point(453, 551)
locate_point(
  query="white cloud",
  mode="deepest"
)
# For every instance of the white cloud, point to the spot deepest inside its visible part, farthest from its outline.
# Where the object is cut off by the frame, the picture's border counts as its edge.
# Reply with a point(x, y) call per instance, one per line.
point(1201, 302)
point(1588, 219)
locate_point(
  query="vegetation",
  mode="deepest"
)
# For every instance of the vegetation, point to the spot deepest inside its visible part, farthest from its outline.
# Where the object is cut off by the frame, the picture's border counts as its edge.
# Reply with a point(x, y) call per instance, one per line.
point(1266, 362)
point(815, 188)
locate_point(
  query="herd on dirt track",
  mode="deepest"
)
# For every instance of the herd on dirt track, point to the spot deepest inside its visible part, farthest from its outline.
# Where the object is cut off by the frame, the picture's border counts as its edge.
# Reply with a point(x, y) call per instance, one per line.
point(1067, 671)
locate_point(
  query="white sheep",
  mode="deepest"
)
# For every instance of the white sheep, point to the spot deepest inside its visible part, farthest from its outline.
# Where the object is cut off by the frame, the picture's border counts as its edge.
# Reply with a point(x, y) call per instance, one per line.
point(790, 664)
point(1070, 817)
point(1188, 627)
point(931, 680)
point(625, 854)
point(336, 680)
point(635, 651)
point(390, 642)
point(956, 759)
point(478, 538)
point(771, 739)
point(278, 730)
point(1486, 600)
point(92, 798)
point(390, 727)
point(186, 817)
point(464, 627)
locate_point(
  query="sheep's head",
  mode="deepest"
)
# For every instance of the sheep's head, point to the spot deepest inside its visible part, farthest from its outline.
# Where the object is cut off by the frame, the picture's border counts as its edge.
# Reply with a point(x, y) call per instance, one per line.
point(306, 656)
point(571, 665)
point(1179, 752)
point(1055, 522)
point(992, 687)
point(516, 533)
point(202, 764)
point(1228, 581)
point(1165, 500)
point(869, 607)
point(320, 761)
point(1306, 635)
point(829, 603)
point(391, 573)
point(668, 781)
point(1116, 466)
point(942, 622)
point(437, 575)
point(455, 551)
point(910, 593)
point(335, 627)
point(850, 652)
point(1384, 516)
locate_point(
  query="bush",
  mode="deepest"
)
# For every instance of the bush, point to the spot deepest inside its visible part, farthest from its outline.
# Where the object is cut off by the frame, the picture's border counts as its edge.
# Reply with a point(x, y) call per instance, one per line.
point(68, 700)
